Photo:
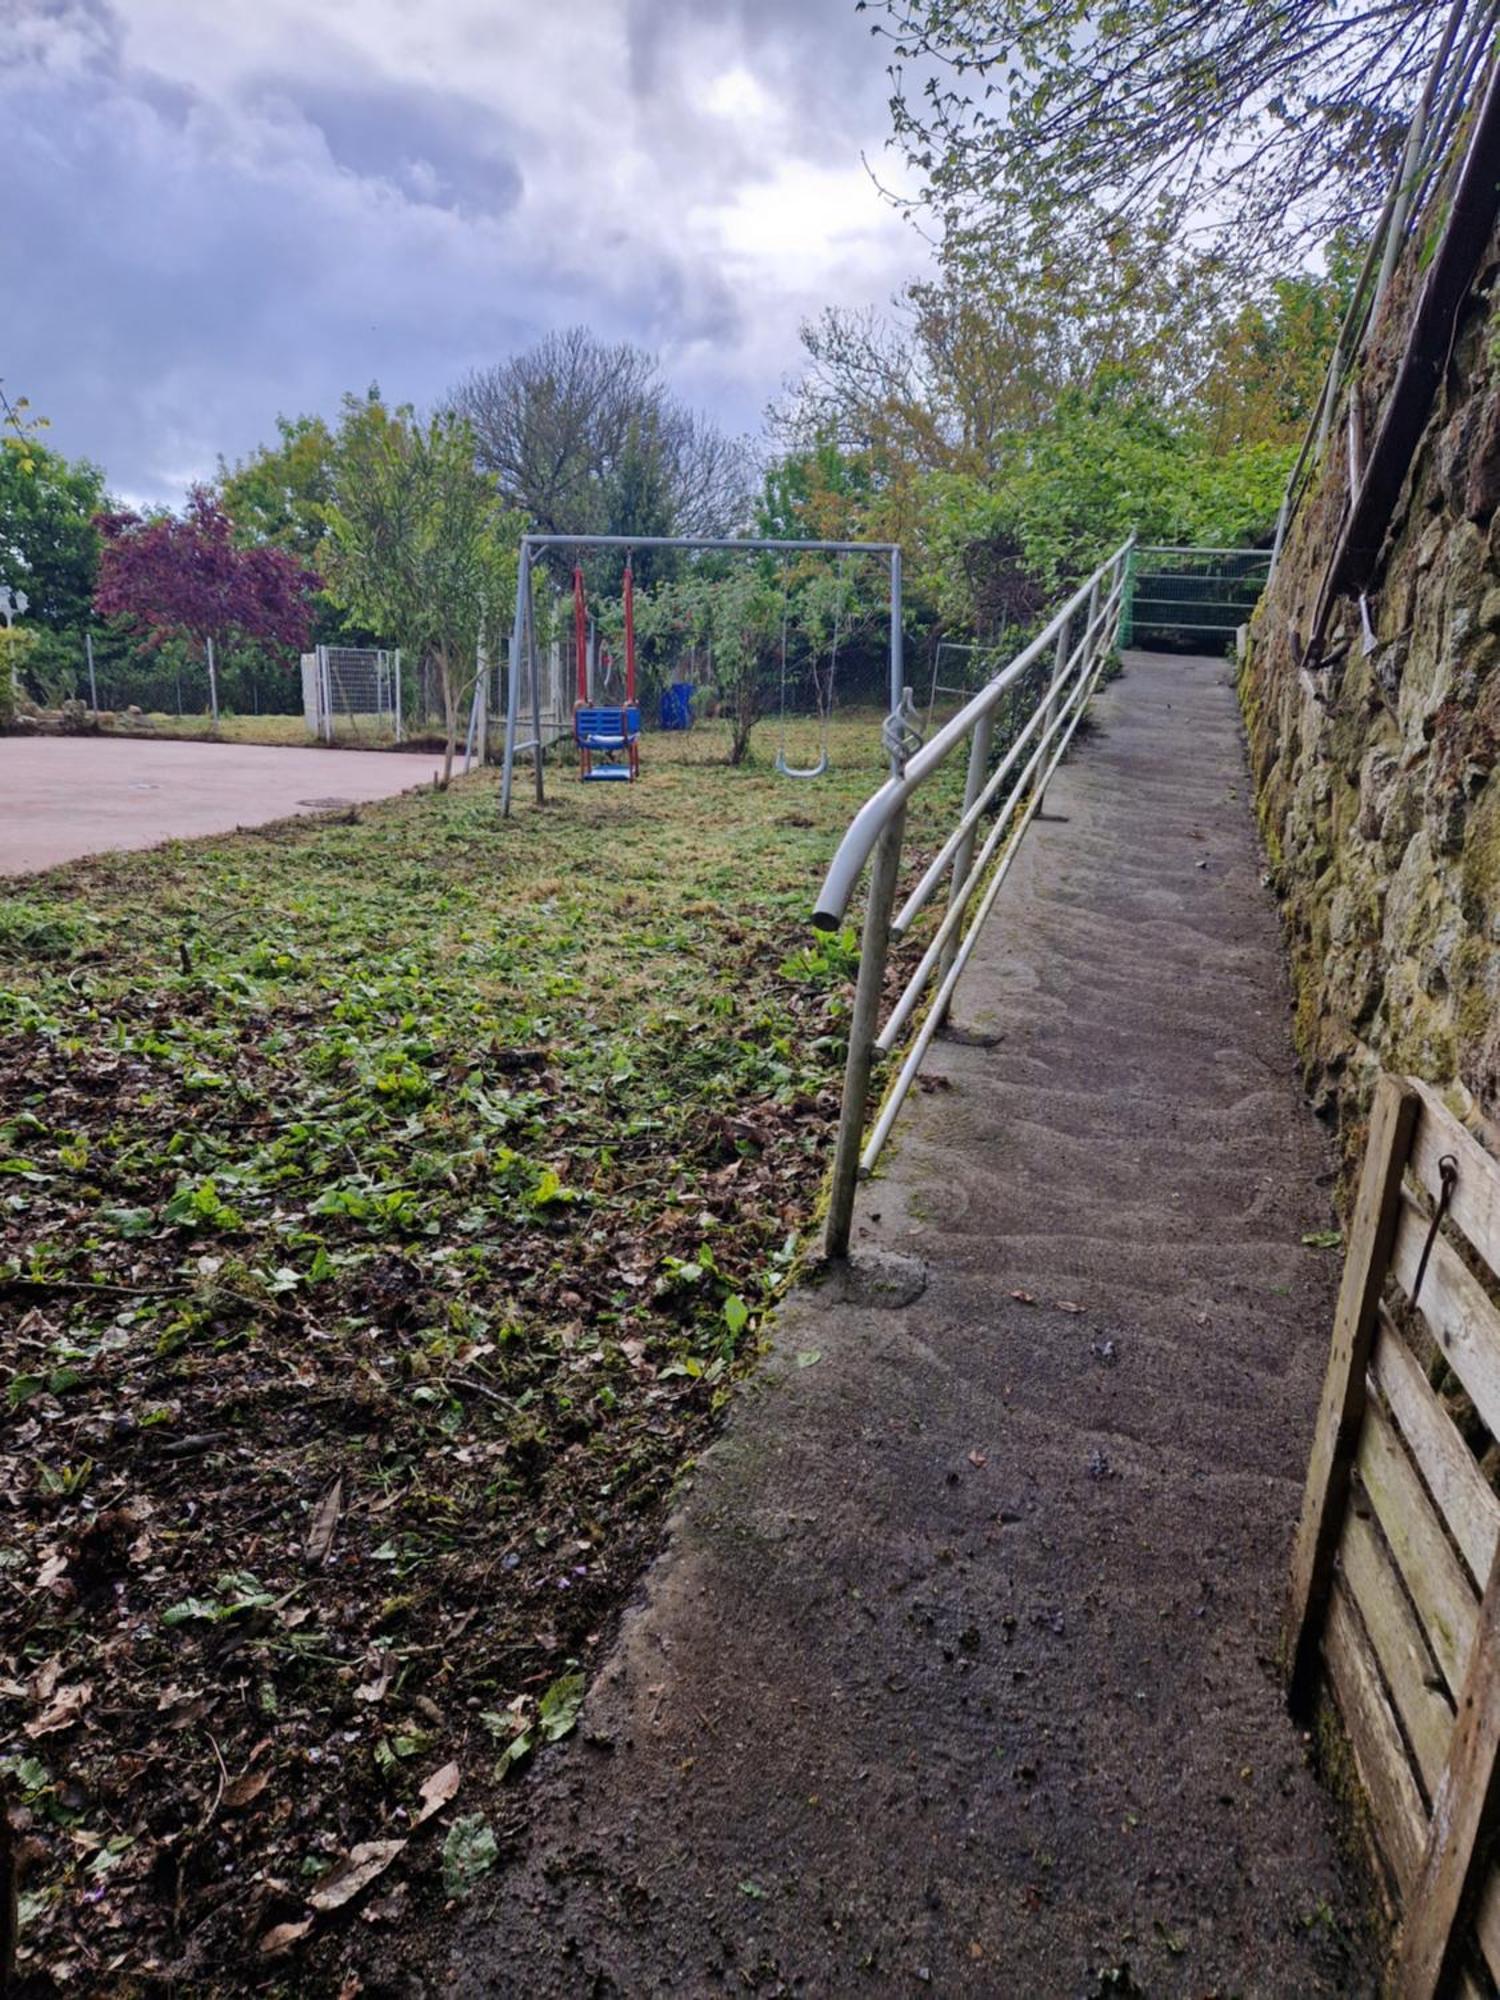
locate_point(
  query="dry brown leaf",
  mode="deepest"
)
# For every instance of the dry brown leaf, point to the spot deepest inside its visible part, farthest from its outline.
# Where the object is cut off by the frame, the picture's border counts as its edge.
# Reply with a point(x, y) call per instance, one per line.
point(46, 1678)
point(369, 1859)
point(437, 1791)
point(243, 1790)
point(1069, 1306)
point(325, 1522)
point(978, 1458)
point(281, 1937)
point(375, 1689)
point(68, 1704)
point(1026, 1298)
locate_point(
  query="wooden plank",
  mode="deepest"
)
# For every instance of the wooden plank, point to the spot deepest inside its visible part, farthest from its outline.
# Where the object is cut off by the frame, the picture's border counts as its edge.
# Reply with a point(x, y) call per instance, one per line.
point(1393, 1117)
point(1395, 1803)
point(1452, 1301)
point(1454, 1480)
point(1463, 1813)
point(1475, 1205)
point(1444, 1597)
point(1396, 1638)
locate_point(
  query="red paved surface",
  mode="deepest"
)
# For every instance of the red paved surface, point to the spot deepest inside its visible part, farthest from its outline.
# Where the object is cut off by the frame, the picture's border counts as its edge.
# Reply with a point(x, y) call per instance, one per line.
point(63, 797)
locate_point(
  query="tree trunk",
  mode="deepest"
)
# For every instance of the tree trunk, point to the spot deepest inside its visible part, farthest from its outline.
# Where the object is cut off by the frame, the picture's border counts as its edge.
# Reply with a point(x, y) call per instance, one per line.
point(450, 716)
point(746, 714)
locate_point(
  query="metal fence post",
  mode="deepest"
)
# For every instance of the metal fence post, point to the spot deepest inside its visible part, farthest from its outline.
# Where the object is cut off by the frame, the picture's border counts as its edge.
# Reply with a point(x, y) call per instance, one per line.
point(88, 647)
point(213, 686)
point(1059, 668)
point(963, 859)
point(863, 1021)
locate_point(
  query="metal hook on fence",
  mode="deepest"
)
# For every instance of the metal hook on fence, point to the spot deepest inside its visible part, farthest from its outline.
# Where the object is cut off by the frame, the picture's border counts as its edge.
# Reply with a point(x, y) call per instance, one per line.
point(1448, 1176)
point(901, 733)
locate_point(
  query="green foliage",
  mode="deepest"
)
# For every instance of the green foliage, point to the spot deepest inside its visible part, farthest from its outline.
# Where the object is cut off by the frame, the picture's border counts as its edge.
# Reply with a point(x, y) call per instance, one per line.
point(49, 546)
point(1074, 488)
point(16, 642)
point(420, 549)
point(281, 492)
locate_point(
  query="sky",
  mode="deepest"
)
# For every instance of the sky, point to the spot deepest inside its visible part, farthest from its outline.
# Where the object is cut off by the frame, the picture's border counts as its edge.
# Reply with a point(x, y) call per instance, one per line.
point(216, 211)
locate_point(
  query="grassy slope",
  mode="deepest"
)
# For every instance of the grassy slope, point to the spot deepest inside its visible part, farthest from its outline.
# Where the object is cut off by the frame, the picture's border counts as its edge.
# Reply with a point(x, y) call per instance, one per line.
point(387, 1207)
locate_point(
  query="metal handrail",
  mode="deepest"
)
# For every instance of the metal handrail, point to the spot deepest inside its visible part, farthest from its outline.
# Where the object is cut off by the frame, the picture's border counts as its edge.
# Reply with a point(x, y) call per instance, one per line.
point(877, 829)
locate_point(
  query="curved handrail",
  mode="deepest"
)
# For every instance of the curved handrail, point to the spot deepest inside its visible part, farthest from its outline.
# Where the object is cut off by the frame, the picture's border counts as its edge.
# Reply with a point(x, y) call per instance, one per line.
point(880, 809)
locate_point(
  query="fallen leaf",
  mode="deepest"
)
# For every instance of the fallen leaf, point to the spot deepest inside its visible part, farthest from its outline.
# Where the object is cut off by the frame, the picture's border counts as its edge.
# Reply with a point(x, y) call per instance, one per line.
point(809, 1357)
point(1069, 1306)
point(559, 1706)
point(470, 1851)
point(325, 1522)
point(243, 1790)
point(1026, 1298)
point(437, 1791)
point(46, 1679)
point(281, 1937)
point(369, 1859)
point(375, 1690)
point(977, 1457)
point(68, 1704)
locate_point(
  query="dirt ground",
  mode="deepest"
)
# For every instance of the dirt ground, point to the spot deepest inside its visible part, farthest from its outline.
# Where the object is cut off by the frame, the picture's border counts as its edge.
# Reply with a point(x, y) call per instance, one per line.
point(64, 797)
point(958, 1672)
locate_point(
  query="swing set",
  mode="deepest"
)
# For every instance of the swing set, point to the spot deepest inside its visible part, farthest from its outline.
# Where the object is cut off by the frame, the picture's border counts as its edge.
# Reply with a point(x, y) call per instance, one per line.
point(607, 735)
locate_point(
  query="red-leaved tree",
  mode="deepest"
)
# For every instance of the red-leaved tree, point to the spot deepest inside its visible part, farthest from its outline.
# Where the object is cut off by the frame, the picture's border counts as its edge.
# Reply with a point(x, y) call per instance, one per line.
point(176, 576)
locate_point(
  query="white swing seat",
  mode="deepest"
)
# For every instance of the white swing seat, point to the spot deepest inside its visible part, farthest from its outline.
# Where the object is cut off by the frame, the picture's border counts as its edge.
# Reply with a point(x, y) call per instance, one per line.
point(801, 770)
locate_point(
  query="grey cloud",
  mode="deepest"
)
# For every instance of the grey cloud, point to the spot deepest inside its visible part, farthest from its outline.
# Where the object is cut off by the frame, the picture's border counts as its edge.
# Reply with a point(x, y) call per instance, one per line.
point(437, 148)
point(188, 260)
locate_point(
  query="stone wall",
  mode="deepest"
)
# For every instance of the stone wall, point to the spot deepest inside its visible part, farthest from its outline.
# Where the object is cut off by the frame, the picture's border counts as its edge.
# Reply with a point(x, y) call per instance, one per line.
point(1375, 772)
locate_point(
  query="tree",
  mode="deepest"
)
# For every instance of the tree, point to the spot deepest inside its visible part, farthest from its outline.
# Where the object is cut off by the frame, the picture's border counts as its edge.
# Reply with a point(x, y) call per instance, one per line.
point(585, 438)
point(420, 547)
point(169, 575)
point(49, 545)
point(1260, 129)
point(280, 493)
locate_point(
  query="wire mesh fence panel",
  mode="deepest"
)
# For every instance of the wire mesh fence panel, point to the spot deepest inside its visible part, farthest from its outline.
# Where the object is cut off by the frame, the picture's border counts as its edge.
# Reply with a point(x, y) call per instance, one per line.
point(1193, 600)
point(359, 693)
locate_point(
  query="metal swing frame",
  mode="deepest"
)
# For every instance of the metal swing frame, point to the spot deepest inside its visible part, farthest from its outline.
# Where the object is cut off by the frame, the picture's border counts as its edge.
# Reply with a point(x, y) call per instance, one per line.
point(523, 639)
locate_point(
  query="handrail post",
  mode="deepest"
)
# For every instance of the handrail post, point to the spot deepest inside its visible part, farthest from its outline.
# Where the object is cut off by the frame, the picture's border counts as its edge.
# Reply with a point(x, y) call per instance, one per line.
point(863, 1021)
point(1059, 668)
point(963, 859)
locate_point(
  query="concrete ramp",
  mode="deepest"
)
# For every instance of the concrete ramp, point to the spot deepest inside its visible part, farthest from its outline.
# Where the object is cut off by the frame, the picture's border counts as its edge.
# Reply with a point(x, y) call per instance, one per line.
point(958, 1671)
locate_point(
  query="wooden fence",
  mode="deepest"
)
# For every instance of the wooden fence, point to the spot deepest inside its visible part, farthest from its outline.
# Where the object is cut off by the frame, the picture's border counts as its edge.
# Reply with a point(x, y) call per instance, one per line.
point(1395, 1593)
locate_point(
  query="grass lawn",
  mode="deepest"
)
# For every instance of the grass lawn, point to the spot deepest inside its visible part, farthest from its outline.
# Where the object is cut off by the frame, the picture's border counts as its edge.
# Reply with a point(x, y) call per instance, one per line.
point(362, 733)
point(387, 1207)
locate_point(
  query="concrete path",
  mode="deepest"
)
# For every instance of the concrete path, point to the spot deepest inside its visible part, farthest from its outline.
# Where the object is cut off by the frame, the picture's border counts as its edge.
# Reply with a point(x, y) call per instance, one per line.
point(62, 797)
point(957, 1674)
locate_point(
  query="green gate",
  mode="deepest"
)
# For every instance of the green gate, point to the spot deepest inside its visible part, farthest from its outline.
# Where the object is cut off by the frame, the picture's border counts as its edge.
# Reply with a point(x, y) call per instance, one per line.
point(1191, 600)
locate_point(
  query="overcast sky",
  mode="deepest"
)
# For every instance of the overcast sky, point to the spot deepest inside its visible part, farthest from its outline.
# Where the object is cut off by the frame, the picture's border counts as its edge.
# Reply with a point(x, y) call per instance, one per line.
point(218, 210)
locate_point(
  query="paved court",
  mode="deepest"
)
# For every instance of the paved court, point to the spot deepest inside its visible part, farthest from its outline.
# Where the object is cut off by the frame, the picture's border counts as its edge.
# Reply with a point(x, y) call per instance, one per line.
point(66, 796)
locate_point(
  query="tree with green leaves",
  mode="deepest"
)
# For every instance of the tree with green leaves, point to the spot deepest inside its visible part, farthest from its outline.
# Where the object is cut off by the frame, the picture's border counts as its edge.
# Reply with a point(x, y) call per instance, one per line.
point(49, 545)
point(420, 547)
point(281, 492)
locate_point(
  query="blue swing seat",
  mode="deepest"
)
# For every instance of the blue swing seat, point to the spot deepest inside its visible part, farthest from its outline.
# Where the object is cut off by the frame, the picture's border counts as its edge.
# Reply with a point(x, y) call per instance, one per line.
point(610, 733)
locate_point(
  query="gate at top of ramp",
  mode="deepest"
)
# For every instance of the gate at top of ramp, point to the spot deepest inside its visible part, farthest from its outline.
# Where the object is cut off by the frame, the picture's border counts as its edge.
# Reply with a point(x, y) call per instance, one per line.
point(1191, 600)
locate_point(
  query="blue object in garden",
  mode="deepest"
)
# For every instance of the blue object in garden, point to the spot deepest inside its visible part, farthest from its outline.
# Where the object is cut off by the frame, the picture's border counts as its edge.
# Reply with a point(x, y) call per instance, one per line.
point(677, 705)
